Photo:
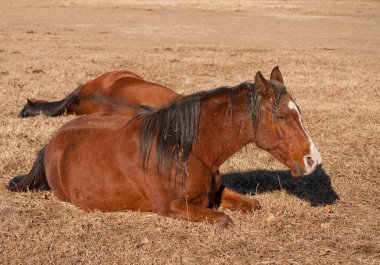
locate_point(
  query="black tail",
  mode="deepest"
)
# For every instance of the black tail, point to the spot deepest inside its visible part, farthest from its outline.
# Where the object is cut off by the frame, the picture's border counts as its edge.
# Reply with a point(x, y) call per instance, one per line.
point(53, 108)
point(35, 179)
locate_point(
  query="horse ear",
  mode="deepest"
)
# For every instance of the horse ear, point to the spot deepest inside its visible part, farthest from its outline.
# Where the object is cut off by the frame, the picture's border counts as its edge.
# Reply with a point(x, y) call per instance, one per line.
point(276, 75)
point(262, 84)
point(29, 102)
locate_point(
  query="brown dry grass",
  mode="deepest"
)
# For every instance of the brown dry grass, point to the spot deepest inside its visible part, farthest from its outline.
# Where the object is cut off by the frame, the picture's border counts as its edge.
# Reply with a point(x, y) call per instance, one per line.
point(329, 54)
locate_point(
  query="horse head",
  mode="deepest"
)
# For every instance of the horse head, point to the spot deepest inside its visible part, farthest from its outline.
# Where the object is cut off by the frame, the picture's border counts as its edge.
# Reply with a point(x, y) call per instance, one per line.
point(280, 130)
point(31, 108)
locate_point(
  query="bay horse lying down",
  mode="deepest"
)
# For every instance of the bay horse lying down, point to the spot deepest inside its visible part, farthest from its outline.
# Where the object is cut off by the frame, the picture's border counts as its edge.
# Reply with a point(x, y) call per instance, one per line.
point(166, 161)
point(120, 92)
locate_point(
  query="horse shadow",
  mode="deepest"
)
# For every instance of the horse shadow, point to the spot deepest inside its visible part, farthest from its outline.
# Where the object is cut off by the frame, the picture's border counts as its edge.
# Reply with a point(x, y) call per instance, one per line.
point(315, 188)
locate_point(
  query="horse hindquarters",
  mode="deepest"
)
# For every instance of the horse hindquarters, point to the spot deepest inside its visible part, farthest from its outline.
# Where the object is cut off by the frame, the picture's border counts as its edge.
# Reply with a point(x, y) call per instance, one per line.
point(87, 166)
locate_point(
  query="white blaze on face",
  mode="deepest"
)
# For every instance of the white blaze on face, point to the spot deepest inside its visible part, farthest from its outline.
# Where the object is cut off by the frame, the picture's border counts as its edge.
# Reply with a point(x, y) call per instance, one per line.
point(314, 154)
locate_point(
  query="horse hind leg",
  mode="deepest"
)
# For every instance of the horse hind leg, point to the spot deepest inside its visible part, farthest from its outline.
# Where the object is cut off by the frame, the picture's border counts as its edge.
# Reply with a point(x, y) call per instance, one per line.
point(196, 212)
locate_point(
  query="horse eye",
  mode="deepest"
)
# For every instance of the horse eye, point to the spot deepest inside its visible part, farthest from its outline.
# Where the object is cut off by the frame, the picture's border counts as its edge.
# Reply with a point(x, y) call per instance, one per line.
point(280, 118)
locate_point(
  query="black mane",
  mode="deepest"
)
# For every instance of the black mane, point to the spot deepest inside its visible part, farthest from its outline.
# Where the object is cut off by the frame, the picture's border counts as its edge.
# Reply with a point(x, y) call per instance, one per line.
point(176, 126)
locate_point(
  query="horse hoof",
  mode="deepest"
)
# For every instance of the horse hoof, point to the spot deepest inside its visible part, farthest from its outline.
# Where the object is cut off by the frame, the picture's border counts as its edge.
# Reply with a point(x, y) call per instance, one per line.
point(224, 221)
point(255, 205)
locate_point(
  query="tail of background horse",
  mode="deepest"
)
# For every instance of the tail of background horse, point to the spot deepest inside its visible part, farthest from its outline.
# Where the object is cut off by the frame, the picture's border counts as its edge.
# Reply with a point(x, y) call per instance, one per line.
point(35, 179)
point(53, 108)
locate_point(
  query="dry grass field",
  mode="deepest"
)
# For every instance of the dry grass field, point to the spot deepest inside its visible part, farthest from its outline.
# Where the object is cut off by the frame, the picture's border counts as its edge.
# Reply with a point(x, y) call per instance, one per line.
point(329, 53)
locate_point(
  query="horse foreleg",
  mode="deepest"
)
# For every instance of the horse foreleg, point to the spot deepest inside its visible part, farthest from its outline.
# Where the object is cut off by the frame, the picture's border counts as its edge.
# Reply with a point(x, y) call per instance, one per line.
point(233, 200)
point(196, 212)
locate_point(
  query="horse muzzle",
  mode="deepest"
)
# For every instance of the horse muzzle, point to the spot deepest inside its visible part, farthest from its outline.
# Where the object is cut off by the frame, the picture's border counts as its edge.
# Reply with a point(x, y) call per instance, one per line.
point(310, 163)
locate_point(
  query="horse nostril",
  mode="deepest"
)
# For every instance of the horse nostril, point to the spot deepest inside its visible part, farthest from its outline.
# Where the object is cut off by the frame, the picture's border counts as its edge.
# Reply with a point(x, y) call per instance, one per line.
point(310, 161)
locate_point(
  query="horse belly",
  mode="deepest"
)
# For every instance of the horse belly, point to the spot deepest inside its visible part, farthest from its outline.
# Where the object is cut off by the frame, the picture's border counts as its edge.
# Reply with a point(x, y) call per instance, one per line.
point(92, 105)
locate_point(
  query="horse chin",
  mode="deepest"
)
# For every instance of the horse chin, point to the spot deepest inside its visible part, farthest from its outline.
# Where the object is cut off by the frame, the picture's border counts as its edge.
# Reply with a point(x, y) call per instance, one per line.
point(295, 174)
point(296, 171)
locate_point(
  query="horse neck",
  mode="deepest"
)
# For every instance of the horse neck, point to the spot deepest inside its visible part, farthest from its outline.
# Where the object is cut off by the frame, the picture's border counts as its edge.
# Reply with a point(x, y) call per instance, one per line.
point(223, 129)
